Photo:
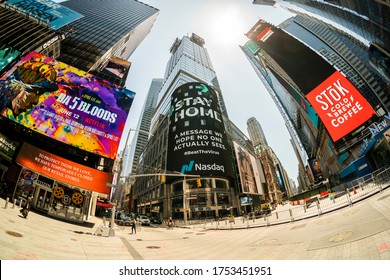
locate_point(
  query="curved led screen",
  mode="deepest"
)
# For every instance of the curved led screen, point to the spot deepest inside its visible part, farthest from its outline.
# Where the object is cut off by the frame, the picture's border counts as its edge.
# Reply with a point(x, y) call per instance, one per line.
point(197, 143)
point(65, 104)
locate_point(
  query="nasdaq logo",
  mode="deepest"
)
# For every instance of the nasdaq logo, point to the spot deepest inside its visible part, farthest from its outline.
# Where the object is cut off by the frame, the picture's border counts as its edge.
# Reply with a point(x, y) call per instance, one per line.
point(187, 167)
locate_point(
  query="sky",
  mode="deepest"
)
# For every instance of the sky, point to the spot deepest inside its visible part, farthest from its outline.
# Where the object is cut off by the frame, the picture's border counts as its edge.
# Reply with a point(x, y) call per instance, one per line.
point(222, 24)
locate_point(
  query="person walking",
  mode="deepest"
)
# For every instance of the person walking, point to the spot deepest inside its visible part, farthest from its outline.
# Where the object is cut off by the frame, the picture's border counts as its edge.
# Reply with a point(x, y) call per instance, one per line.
point(134, 226)
point(27, 205)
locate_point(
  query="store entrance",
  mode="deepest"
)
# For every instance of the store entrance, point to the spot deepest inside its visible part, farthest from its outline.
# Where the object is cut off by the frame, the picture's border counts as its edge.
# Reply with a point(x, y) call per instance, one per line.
point(43, 199)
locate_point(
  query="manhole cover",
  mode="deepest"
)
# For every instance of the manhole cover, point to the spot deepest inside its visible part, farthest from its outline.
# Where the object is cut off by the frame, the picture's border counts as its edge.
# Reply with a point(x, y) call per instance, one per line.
point(13, 233)
point(297, 227)
point(383, 197)
point(349, 213)
point(73, 239)
point(341, 236)
point(152, 247)
point(267, 242)
point(200, 233)
point(324, 222)
point(139, 239)
point(189, 232)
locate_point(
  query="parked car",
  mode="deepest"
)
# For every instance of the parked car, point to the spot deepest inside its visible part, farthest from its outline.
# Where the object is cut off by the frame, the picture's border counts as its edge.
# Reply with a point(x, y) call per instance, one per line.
point(144, 220)
point(123, 219)
point(155, 220)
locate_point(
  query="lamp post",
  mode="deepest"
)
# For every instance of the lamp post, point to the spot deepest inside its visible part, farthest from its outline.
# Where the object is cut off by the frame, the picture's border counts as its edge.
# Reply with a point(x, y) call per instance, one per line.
point(118, 192)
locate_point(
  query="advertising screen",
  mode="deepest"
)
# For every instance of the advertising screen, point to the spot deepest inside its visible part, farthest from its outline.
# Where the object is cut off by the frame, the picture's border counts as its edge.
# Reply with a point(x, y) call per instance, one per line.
point(7, 146)
point(117, 67)
point(65, 104)
point(249, 175)
point(339, 105)
point(47, 11)
point(337, 102)
point(7, 55)
point(197, 143)
point(63, 170)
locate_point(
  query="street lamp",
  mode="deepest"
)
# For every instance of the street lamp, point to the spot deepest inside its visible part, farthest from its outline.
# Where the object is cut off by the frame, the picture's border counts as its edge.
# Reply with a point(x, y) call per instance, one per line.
point(118, 187)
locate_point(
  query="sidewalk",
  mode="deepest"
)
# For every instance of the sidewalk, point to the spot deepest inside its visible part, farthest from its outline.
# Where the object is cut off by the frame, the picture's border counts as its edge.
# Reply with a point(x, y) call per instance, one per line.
point(361, 231)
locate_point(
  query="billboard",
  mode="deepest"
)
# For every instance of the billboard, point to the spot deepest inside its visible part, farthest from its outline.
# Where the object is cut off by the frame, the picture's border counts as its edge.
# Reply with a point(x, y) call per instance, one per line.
point(116, 67)
point(316, 169)
point(63, 170)
point(248, 169)
point(339, 105)
point(197, 142)
point(7, 146)
point(7, 55)
point(337, 102)
point(47, 11)
point(65, 104)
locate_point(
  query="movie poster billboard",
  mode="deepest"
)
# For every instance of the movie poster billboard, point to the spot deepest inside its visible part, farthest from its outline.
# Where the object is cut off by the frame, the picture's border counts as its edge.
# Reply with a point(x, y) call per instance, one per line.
point(249, 173)
point(56, 15)
point(338, 103)
point(197, 142)
point(7, 55)
point(316, 169)
point(65, 104)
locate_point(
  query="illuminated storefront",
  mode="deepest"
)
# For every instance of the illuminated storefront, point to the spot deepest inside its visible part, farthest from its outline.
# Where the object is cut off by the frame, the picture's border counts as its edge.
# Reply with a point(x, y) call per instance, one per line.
point(60, 187)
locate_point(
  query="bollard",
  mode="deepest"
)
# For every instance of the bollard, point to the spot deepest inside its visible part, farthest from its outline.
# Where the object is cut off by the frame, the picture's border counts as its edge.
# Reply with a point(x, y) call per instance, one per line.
point(13, 204)
point(277, 215)
point(6, 203)
point(304, 208)
point(291, 215)
point(319, 208)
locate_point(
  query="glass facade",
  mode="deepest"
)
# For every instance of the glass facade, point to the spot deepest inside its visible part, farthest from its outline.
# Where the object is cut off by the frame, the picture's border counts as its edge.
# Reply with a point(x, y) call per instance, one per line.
point(108, 28)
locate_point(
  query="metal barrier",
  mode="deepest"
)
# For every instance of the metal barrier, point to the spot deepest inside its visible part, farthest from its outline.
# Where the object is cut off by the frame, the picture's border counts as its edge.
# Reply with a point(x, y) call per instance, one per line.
point(345, 195)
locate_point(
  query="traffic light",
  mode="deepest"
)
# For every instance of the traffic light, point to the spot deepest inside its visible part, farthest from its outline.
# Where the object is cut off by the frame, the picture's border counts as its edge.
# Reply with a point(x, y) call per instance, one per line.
point(162, 178)
point(198, 183)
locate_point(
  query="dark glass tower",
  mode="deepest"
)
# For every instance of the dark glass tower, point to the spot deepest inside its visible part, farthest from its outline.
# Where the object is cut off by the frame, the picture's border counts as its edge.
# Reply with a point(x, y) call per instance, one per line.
point(109, 28)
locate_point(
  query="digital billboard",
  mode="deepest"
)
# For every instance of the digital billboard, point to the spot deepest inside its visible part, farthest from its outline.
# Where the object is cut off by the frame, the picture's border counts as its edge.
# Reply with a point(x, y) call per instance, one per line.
point(65, 104)
point(337, 102)
point(117, 67)
point(7, 55)
point(47, 11)
point(197, 142)
point(249, 174)
point(63, 170)
point(7, 146)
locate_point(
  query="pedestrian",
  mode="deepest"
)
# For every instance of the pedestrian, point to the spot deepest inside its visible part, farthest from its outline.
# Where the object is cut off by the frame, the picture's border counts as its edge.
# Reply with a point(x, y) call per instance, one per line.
point(170, 222)
point(134, 226)
point(27, 205)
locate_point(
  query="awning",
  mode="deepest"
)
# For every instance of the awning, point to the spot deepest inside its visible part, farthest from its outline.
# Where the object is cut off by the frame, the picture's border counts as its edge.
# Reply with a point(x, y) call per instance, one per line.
point(104, 205)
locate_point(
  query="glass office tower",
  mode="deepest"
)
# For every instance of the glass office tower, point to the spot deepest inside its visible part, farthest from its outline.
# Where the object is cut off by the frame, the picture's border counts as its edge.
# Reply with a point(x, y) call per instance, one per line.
point(109, 28)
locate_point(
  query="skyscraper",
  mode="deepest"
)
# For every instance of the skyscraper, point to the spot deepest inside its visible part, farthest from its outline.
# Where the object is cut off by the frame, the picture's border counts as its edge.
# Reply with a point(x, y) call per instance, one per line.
point(140, 139)
point(190, 127)
point(256, 133)
point(108, 28)
point(189, 62)
point(346, 55)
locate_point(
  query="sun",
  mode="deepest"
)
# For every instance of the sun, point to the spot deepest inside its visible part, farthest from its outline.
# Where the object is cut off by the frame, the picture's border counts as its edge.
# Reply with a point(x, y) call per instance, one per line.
point(228, 25)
